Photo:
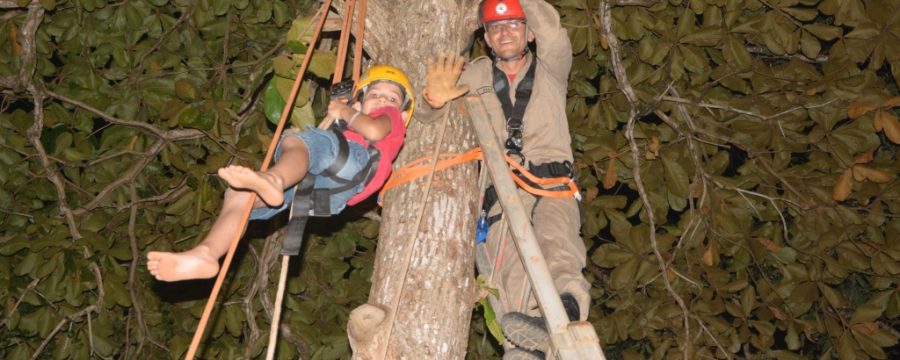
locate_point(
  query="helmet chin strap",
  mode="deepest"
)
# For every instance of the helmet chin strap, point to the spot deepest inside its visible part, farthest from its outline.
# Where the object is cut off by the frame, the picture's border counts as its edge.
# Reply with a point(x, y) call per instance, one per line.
point(516, 57)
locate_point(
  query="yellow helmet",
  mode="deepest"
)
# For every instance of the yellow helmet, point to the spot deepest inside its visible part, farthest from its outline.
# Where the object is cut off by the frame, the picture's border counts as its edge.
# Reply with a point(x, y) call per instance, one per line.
point(388, 73)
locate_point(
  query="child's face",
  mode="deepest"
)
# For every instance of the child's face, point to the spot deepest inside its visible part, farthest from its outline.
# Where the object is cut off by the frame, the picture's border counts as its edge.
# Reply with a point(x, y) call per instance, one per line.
point(382, 94)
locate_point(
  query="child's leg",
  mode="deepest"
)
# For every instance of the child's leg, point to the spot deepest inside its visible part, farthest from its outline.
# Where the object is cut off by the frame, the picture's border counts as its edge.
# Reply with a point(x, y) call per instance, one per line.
point(203, 260)
point(270, 185)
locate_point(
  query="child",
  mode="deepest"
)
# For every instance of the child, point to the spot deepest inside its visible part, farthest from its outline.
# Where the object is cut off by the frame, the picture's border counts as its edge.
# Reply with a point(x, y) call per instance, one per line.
point(376, 118)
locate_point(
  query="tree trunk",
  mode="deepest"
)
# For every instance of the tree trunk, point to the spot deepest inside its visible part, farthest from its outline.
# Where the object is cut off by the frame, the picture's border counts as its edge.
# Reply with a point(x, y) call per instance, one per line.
point(423, 286)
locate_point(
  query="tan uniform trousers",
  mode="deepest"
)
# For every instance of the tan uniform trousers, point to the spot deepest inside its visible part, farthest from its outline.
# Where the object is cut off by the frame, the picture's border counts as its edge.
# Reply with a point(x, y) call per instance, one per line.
point(556, 224)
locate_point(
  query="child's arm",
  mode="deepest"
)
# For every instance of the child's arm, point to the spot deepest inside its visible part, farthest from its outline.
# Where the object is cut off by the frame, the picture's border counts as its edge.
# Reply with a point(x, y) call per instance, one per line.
point(373, 129)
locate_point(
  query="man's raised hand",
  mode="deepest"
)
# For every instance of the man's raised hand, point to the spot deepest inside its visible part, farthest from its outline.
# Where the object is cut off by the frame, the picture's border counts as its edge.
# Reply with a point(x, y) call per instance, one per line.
point(443, 73)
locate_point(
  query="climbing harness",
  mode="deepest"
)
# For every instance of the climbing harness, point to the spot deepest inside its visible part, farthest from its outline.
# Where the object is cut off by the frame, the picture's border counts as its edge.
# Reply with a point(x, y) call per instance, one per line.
point(514, 113)
point(311, 201)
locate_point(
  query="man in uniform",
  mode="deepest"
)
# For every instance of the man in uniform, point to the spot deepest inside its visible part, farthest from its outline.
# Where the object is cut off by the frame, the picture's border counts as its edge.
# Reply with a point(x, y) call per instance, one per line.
point(525, 94)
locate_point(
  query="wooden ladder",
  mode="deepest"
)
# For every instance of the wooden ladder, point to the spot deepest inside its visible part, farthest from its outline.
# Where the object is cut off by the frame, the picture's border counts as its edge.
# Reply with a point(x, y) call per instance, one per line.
point(570, 339)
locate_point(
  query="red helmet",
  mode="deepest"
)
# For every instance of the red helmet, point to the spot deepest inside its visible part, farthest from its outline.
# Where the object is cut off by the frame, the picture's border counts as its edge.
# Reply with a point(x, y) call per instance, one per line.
point(495, 10)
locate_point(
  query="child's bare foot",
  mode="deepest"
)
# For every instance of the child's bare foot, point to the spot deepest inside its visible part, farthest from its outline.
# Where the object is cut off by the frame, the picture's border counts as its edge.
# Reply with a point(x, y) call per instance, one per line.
point(267, 186)
point(196, 263)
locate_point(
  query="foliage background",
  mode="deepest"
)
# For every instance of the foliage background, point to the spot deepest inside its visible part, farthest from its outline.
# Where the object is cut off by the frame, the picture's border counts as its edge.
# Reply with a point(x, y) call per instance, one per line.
point(738, 160)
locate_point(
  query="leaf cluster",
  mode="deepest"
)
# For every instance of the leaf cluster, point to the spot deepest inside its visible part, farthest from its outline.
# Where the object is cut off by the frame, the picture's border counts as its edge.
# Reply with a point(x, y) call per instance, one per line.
point(763, 148)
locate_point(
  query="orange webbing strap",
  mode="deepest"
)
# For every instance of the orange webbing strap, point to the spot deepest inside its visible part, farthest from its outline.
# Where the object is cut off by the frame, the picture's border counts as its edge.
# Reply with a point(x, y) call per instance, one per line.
point(204, 319)
point(545, 182)
point(420, 167)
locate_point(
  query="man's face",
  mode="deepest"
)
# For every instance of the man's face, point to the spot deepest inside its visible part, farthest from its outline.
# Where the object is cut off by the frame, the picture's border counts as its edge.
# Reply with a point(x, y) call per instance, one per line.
point(508, 38)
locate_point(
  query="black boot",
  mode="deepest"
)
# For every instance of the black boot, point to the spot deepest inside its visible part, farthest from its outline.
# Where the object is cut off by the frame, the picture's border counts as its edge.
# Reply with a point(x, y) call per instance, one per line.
point(527, 332)
point(571, 306)
point(522, 354)
point(530, 332)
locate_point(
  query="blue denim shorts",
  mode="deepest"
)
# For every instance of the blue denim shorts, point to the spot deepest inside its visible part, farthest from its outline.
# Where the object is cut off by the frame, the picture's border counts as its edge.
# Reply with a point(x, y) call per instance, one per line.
point(323, 149)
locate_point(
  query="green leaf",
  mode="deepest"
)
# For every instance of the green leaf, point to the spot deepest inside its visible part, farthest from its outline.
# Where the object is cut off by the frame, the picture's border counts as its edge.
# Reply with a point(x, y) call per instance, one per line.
point(864, 32)
point(28, 263)
point(185, 90)
point(48, 4)
point(322, 64)
point(823, 31)
point(704, 37)
point(867, 313)
point(676, 177)
point(220, 7)
point(809, 45)
point(846, 347)
point(786, 255)
point(490, 318)
point(833, 296)
point(273, 103)
point(622, 277)
point(735, 53)
point(802, 14)
point(303, 116)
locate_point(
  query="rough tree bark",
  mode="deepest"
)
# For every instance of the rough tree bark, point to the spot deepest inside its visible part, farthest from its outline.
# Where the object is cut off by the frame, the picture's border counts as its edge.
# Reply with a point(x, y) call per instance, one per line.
point(423, 310)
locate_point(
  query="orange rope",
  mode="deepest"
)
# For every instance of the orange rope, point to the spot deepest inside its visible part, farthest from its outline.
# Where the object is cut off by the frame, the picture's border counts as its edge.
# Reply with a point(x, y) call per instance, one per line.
point(360, 31)
point(210, 303)
point(421, 166)
point(344, 41)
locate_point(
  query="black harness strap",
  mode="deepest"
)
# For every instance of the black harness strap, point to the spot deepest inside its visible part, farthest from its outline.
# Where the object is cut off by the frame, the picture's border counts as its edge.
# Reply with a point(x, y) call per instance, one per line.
point(514, 124)
point(514, 113)
point(307, 197)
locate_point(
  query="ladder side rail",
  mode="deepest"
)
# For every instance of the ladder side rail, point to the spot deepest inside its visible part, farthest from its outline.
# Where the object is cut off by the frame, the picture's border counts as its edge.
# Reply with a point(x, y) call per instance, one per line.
point(519, 223)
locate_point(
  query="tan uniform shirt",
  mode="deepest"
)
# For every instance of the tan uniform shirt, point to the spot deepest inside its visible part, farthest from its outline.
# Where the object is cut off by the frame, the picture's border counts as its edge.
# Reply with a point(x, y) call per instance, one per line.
point(546, 131)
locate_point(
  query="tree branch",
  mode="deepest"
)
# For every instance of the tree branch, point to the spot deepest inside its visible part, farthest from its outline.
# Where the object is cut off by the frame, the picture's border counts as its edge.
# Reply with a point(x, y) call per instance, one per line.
point(83, 312)
point(34, 138)
point(9, 4)
point(109, 118)
point(127, 177)
point(132, 271)
point(28, 288)
point(625, 85)
point(681, 100)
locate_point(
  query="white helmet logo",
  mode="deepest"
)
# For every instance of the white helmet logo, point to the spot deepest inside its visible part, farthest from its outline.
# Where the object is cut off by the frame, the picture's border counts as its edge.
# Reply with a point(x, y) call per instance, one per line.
point(501, 8)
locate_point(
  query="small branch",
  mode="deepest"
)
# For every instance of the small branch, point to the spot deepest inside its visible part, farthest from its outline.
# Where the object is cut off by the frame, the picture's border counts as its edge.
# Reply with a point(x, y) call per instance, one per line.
point(136, 169)
point(28, 288)
point(132, 281)
point(763, 161)
point(10, 212)
point(114, 120)
point(782, 13)
point(643, 3)
point(222, 72)
point(83, 312)
point(9, 15)
point(613, 42)
point(9, 4)
point(96, 161)
point(680, 100)
point(184, 16)
point(175, 192)
point(821, 59)
point(712, 337)
point(86, 312)
point(628, 90)
point(34, 137)
point(127, 177)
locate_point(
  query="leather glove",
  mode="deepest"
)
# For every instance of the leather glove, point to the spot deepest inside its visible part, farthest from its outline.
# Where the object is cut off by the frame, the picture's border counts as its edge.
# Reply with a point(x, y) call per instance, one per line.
point(440, 81)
